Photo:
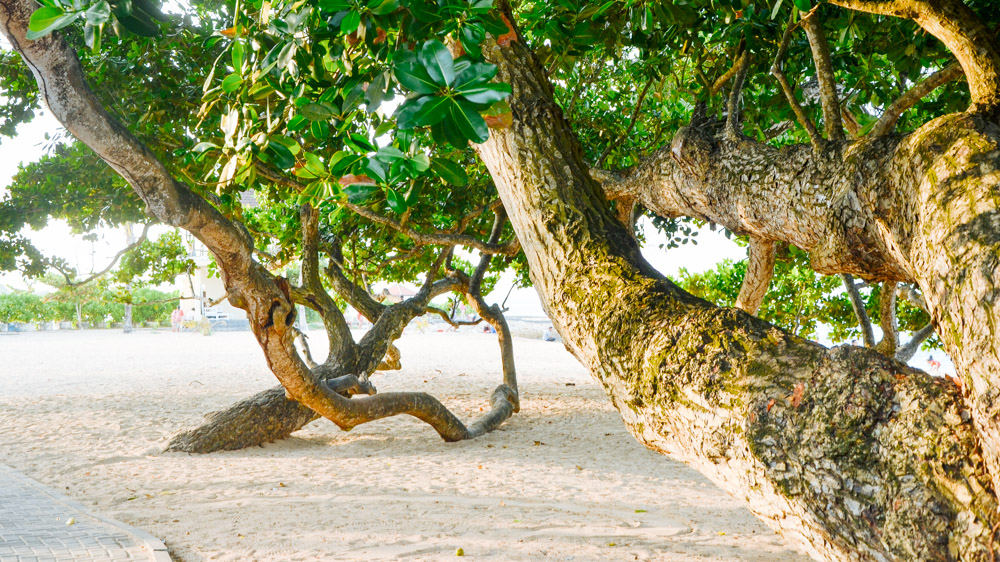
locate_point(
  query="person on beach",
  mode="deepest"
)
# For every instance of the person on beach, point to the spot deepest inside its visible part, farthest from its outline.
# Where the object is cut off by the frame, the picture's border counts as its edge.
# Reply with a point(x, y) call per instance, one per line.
point(176, 319)
point(934, 364)
point(549, 334)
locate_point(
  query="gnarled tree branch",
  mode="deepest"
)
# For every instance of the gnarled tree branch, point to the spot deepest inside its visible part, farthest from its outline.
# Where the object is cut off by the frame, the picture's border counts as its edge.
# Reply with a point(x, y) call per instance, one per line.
point(887, 123)
point(824, 74)
point(957, 26)
point(760, 270)
point(788, 88)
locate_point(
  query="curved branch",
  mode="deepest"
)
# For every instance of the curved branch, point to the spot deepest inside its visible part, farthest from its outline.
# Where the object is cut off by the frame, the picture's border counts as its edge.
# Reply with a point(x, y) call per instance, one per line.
point(733, 121)
point(114, 260)
point(824, 74)
point(958, 27)
point(437, 238)
point(788, 88)
point(887, 123)
point(509, 248)
point(339, 334)
point(760, 270)
point(907, 351)
point(858, 304)
point(721, 80)
point(887, 316)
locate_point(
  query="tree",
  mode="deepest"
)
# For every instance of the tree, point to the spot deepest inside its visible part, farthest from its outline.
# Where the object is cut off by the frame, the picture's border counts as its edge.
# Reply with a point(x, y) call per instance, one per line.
point(843, 449)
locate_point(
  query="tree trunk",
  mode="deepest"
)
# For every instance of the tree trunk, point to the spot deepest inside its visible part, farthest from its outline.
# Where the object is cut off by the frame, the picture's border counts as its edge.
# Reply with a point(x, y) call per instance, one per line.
point(265, 417)
point(844, 451)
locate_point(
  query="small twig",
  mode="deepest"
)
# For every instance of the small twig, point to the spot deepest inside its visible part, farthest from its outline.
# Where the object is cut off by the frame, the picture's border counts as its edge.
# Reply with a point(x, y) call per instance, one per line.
point(721, 80)
point(733, 123)
point(631, 124)
point(887, 123)
point(824, 74)
point(814, 138)
point(858, 304)
point(114, 260)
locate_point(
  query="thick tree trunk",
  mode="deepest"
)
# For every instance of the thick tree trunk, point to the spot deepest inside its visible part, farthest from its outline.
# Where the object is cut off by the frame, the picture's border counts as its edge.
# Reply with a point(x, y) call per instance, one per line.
point(850, 454)
point(922, 208)
point(265, 417)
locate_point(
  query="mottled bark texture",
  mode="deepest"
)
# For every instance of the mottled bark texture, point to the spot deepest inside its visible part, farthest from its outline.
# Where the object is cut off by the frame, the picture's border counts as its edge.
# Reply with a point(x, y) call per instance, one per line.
point(848, 453)
point(920, 208)
point(267, 299)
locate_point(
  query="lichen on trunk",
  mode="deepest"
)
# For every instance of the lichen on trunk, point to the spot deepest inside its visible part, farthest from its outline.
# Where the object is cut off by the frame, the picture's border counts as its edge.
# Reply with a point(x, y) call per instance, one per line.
point(846, 452)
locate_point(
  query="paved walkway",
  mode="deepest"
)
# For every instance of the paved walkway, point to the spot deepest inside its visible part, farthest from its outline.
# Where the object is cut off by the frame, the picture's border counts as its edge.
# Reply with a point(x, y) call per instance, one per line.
point(33, 528)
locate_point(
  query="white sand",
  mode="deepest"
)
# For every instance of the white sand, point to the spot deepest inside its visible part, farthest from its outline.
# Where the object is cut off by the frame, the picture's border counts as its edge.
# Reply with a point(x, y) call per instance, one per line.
point(89, 413)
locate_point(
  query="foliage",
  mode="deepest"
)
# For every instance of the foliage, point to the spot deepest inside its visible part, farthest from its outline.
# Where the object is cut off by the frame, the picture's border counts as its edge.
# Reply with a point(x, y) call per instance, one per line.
point(149, 305)
point(800, 300)
point(306, 89)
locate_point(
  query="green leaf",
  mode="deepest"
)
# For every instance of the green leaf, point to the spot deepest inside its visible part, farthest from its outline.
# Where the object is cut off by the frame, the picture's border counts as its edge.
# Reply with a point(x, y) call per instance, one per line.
point(282, 156)
point(92, 36)
point(204, 146)
point(150, 9)
point(396, 201)
point(803, 5)
point(317, 111)
point(297, 123)
point(420, 162)
point(488, 94)
point(360, 193)
point(140, 24)
point(350, 23)
point(389, 154)
point(375, 94)
point(470, 36)
point(406, 113)
point(319, 129)
point(232, 83)
point(450, 172)
point(314, 165)
point(469, 122)
point(45, 20)
point(98, 13)
point(476, 74)
point(237, 56)
point(383, 7)
point(433, 111)
point(335, 5)
point(340, 166)
point(413, 76)
point(363, 143)
point(436, 59)
point(424, 12)
point(287, 142)
point(122, 8)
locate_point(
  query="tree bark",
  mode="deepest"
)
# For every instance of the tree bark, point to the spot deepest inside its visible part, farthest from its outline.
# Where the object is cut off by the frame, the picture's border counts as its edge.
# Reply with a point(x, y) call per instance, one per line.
point(760, 270)
point(848, 453)
point(920, 208)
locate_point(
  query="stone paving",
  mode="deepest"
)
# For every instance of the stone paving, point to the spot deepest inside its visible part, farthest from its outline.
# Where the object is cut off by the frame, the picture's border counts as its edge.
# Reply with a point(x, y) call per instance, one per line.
point(33, 528)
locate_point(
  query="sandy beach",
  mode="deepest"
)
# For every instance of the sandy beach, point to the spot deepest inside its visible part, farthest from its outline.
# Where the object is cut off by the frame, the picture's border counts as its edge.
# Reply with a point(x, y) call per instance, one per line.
point(89, 413)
